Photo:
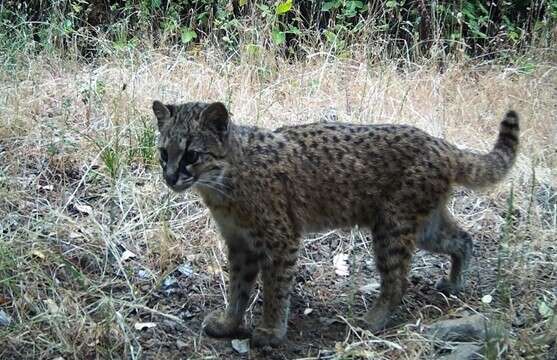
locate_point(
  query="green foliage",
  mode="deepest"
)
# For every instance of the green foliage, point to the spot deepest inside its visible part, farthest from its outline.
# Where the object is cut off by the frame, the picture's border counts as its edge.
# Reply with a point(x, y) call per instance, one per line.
point(279, 37)
point(476, 17)
point(283, 7)
point(479, 28)
point(187, 35)
point(144, 147)
point(495, 339)
point(112, 159)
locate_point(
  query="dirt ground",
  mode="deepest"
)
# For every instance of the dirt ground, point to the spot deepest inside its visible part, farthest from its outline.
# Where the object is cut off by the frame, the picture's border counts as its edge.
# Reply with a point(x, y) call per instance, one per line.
point(334, 302)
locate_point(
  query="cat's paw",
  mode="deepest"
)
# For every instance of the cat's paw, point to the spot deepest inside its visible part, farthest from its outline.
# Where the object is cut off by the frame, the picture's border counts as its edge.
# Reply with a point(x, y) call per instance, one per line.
point(377, 319)
point(267, 337)
point(218, 325)
point(448, 287)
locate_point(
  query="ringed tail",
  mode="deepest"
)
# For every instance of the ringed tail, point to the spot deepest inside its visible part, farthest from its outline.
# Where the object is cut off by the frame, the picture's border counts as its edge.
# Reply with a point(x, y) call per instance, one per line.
point(479, 170)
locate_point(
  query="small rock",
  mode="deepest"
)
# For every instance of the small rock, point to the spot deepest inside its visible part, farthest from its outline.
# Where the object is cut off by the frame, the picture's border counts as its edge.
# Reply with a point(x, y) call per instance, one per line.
point(144, 325)
point(144, 274)
point(328, 321)
point(5, 319)
point(169, 285)
point(185, 269)
point(487, 299)
point(181, 345)
point(469, 328)
point(463, 352)
point(169, 282)
point(240, 345)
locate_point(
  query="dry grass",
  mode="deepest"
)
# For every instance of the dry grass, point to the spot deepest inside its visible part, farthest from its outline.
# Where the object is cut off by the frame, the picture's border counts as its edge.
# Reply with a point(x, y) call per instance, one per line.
point(79, 185)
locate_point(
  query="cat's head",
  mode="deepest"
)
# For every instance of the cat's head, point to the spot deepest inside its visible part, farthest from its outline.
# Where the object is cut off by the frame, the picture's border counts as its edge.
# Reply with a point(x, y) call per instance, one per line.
point(193, 143)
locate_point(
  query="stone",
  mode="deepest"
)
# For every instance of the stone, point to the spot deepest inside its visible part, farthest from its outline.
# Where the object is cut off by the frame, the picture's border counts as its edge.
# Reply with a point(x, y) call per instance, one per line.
point(169, 282)
point(468, 328)
point(185, 269)
point(5, 319)
point(240, 345)
point(169, 285)
point(463, 352)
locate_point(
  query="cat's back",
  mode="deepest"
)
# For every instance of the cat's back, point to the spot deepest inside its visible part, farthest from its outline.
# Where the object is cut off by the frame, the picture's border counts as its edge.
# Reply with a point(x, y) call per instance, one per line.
point(325, 152)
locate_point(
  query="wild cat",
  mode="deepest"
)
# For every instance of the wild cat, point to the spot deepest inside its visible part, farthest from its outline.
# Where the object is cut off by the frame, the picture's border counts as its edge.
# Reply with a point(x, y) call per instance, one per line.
point(266, 188)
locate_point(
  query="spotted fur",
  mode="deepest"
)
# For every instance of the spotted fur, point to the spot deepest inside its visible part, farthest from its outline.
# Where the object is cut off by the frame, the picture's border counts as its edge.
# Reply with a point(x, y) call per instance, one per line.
point(266, 188)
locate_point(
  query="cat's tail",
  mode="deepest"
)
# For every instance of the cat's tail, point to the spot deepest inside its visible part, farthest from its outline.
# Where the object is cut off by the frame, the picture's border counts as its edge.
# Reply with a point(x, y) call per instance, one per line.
point(479, 170)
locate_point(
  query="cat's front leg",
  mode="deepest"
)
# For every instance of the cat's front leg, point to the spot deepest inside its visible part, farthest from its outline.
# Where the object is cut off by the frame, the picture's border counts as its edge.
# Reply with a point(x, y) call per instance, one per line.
point(278, 274)
point(243, 270)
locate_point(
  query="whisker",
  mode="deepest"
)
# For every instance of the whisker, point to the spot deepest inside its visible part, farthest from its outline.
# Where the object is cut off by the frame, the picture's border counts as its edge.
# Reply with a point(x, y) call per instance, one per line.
point(220, 180)
point(218, 191)
point(216, 184)
point(213, 186)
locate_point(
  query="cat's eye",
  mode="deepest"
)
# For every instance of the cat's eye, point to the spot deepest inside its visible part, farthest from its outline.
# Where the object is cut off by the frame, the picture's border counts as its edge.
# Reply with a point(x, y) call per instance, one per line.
point(191, 156)
point(164, 155)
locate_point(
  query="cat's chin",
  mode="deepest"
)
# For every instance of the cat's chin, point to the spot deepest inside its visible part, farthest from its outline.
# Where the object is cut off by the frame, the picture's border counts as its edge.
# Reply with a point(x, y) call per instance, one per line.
point(180, 188)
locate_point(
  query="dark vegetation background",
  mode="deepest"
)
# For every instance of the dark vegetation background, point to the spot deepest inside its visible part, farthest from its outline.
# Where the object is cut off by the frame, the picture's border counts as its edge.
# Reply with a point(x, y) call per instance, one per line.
point(485, 29)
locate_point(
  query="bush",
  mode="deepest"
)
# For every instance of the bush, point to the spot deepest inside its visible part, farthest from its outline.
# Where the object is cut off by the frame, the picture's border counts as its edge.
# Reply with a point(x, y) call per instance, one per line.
point(475, 28)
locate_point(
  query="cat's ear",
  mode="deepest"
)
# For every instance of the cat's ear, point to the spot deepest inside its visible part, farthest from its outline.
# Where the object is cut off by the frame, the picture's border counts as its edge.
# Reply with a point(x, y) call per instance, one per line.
point(216, 118)
point(162, 112)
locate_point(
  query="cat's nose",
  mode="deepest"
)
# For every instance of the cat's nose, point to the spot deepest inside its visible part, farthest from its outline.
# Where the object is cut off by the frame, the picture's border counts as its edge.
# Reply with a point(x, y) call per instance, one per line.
point(171, 179)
